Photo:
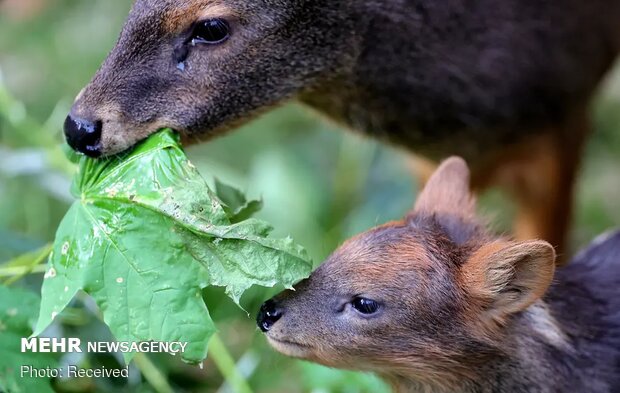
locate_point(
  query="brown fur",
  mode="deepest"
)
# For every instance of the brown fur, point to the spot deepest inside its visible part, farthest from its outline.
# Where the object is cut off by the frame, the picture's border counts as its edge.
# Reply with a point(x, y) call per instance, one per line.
point(187, 12)
point(460, 310)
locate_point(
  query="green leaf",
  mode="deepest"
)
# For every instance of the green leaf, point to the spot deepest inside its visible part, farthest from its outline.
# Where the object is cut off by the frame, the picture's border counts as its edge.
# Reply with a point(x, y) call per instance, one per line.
point(18, 312)
point(236, 205)
point(233, 198)
point(146, 235)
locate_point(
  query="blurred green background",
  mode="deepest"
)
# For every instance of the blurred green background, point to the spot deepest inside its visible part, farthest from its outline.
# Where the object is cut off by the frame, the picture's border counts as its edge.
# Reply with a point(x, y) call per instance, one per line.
point(320, 185)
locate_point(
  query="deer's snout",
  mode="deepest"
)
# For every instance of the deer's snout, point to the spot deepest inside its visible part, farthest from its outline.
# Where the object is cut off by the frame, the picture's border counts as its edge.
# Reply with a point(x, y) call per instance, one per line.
point(84, 135)
point(268, 315)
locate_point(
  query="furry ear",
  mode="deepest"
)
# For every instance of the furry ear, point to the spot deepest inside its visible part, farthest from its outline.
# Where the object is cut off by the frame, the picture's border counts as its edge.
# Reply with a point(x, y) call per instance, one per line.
point(509, 277)
point(447, 191)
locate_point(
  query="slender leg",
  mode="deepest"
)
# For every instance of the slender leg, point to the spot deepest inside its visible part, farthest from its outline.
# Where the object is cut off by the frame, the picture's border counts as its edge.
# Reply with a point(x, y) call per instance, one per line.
point(543, 190)
point(540, 175)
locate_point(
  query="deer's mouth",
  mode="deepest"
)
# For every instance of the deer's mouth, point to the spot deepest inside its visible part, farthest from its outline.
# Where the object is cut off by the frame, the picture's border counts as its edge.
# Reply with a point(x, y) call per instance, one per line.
point(290, 348)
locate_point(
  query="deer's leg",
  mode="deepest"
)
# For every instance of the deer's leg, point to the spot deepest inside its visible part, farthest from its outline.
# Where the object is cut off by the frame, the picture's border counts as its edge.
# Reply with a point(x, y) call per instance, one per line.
point(540, 175)
point(543, 190)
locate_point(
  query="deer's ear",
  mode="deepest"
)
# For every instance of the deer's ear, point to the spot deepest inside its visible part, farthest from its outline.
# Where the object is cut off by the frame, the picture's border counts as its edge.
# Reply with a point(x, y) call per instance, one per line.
point(509, 277)
point(447, 191)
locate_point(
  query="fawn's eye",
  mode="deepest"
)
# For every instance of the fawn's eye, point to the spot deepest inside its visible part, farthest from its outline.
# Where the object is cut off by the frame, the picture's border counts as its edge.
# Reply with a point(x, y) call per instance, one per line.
point(210, 31)
point(365, 306)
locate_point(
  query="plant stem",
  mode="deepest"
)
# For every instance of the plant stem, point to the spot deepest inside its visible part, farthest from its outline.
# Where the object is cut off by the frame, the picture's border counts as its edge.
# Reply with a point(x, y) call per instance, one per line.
point(152, 374)
point(226, 364)
point(17, 272)
point(25, 264)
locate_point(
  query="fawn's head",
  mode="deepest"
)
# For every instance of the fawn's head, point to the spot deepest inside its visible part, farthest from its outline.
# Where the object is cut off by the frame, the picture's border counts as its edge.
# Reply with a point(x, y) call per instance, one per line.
point(204, 66)
point(428, 296)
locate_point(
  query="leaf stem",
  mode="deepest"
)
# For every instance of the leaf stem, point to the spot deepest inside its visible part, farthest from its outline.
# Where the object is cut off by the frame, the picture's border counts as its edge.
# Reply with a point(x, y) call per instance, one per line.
point(152, 374)
point(226, 364)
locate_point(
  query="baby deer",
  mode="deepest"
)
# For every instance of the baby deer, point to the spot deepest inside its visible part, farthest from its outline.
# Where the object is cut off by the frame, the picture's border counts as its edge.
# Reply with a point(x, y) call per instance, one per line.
point(435, 303)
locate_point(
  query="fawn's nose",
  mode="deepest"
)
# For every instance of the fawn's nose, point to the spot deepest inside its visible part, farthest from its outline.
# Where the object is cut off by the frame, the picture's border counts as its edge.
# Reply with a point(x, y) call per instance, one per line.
point(84, 135)
point(268, 315)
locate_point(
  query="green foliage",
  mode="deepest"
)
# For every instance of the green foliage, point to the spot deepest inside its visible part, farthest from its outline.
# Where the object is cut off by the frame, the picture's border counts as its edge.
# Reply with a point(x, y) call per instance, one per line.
point(147, 235)
point(236, 204)
point(18, 313)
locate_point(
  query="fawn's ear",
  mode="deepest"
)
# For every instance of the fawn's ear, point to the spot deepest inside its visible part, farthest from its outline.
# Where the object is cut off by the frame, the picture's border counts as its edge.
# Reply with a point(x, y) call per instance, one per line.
point(509, 277)
point(447, 191)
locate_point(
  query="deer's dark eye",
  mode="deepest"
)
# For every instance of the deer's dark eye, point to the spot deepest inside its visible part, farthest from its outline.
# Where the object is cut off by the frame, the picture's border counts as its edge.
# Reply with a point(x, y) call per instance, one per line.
point(211, 31)
point(365, 306)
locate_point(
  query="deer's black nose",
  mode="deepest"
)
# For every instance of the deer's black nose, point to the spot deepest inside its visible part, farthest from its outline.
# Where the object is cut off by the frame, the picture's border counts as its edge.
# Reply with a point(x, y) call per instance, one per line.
point(268, 315)
point(84, 135)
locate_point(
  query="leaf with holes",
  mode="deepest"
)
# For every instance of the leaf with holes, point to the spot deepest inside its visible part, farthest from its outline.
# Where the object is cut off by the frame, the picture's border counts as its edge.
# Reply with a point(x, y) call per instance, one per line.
point(143, 239)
